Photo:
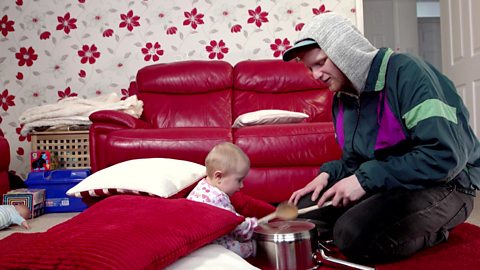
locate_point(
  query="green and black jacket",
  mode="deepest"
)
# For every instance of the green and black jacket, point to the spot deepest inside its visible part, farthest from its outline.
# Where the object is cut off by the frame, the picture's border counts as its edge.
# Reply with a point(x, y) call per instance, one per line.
point(408, 128)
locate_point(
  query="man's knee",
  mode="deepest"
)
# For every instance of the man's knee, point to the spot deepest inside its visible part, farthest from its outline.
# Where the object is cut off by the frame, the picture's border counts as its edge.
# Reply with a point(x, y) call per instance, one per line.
point(349, 239)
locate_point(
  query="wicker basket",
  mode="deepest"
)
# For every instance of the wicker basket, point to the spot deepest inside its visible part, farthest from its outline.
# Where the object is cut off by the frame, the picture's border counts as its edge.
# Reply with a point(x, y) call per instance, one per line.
point(70, 147)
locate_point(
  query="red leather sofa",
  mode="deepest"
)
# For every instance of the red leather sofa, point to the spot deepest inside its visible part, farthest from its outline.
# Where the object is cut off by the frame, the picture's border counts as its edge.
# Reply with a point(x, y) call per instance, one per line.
point(4, 165)
point(189, 106)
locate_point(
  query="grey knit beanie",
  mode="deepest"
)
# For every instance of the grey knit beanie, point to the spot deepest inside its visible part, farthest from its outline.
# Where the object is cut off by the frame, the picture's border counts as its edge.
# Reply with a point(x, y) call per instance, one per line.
point(343, 44)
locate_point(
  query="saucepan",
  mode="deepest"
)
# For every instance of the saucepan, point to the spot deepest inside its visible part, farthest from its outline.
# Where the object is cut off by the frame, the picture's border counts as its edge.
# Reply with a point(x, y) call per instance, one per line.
point(293, 244)
point(287, 244)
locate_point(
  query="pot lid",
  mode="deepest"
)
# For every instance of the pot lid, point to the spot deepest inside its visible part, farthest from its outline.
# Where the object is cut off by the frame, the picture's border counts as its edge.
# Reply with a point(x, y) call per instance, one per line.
point(284, 230)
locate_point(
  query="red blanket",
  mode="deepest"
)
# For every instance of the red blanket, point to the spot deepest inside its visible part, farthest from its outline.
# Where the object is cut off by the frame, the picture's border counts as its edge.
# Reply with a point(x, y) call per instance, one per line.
point(120, 232)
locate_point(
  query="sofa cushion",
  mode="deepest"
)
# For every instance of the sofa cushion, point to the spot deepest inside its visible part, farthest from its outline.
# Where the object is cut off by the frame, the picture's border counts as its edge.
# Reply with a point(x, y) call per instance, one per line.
point(301, 144)
point(210, 109)
point(191, 144)
point(276, 184)
point(186, 94)
point(268, 117)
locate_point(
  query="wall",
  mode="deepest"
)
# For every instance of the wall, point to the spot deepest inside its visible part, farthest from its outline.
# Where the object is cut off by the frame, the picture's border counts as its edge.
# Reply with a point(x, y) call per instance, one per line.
point(392, 23)
point(54, 49)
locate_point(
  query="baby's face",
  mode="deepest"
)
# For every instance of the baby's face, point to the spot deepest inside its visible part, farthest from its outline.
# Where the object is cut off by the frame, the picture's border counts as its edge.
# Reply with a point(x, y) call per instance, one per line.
point(232, 182)
point(23, 210)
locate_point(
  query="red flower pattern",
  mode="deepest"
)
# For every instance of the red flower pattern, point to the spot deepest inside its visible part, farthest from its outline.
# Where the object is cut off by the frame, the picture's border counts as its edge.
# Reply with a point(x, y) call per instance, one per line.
point(193, 18)
point(88, 54)
point(66, 23)
point(320, 10)
point(299, 27)
point(216, 50)
point(107, 33)
point(21, 137)
point(45, 35)
point(124, 93)
point(279, 47)
point(66, 93)
point(236, 28)
point(26, 56)
point(152, 51)
point(82, 73)
point(6, 26)
point(132, 90)
point(6, 100)
point(171, 30)
point(19, 76)
point(19, 2)
point(257, 16)
point(129, 21)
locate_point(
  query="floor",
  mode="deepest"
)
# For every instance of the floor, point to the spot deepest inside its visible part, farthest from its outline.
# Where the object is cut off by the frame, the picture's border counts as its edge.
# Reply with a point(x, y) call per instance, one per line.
point(39, 224)
point(475, 216)
point(46, 221)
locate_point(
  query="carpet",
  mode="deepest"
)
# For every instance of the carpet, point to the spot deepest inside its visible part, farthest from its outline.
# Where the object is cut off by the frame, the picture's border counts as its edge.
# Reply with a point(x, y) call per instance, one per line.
point(461, 252)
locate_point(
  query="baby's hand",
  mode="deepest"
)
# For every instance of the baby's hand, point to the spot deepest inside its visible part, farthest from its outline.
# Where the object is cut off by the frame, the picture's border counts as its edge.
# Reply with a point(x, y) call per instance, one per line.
point(25, 225)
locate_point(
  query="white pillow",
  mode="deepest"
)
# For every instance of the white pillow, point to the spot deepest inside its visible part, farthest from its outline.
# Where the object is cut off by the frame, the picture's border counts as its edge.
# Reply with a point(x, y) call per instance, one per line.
point(212, 256)
point(263, 117)
point(162, 177)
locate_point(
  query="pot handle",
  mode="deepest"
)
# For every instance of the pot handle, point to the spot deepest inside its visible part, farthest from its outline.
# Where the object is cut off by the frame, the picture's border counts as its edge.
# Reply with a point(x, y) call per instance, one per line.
point(335, 261)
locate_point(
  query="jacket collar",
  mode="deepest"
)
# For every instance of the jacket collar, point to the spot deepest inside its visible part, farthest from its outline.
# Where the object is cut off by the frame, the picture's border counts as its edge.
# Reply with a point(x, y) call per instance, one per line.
point(378, 71)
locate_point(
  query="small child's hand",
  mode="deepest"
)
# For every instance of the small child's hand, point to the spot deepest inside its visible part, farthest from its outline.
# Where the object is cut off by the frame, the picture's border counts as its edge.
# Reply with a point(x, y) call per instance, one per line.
point(25, 225)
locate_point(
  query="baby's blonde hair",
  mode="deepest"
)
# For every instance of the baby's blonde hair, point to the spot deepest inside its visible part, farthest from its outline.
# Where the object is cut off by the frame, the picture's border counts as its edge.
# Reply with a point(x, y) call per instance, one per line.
point(225, 157)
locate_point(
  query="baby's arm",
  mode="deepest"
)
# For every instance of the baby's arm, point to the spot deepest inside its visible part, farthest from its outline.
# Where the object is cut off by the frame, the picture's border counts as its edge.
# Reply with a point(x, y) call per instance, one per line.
point(244, 231)
point(25, 225)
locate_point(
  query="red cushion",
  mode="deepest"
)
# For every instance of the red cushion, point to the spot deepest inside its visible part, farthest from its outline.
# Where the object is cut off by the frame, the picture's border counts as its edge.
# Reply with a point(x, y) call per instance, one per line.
point(248, 206)
point(121, 232)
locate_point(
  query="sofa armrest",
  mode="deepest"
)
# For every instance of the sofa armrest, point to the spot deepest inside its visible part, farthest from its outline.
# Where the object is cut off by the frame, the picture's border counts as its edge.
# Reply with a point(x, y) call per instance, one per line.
point(103, 123)
point(4, 165)
point(117, 118)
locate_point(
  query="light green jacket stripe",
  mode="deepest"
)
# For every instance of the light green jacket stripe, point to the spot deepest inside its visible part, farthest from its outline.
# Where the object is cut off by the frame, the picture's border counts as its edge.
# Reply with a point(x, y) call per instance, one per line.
point(428, 109)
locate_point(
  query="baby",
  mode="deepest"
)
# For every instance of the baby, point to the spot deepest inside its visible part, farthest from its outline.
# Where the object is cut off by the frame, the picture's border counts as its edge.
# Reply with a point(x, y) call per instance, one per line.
point(14, 214)
point(227, 165)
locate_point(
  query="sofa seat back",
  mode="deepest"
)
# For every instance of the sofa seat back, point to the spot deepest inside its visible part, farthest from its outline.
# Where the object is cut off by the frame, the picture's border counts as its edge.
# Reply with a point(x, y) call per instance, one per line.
point(274, 84)
point(186, 94)
point(185, 143)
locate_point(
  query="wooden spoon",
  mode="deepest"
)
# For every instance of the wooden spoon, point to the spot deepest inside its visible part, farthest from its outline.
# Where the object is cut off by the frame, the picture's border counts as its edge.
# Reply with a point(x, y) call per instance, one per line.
point(288, 211)
point(284, 211)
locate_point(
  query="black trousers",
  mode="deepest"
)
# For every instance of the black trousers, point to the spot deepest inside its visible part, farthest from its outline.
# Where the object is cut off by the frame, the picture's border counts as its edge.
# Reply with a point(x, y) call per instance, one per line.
point(393, 224)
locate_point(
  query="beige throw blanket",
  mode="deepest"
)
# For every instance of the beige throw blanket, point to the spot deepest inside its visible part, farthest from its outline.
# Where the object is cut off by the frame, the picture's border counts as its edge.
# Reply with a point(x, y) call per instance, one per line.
point(75, 111)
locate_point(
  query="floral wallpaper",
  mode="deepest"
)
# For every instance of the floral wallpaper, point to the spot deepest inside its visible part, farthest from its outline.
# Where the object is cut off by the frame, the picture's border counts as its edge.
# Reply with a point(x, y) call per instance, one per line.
point(53, 49)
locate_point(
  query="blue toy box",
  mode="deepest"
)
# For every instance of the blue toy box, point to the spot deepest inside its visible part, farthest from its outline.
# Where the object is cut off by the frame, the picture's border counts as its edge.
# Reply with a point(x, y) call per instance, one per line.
point(56, 183)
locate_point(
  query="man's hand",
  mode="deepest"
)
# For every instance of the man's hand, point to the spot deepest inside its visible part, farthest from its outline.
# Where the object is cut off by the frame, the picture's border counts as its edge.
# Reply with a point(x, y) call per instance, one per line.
point(316, 185)
point(344, 192)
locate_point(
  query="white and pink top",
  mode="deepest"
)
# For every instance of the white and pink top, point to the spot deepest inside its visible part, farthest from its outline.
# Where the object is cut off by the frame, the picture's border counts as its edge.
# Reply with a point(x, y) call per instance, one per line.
point(239, 240)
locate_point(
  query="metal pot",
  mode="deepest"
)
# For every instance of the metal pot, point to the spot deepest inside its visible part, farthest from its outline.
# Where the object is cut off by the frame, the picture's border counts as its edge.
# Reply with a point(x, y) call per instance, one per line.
point(286, 245)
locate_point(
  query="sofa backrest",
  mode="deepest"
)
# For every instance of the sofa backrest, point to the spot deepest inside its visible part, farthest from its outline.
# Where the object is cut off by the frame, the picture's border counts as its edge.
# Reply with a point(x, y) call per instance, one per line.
point(192, 93)
point(274, 84)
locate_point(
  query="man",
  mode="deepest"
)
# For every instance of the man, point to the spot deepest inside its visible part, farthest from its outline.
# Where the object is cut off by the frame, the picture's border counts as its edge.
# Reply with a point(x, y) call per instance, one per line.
point(411, 162)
